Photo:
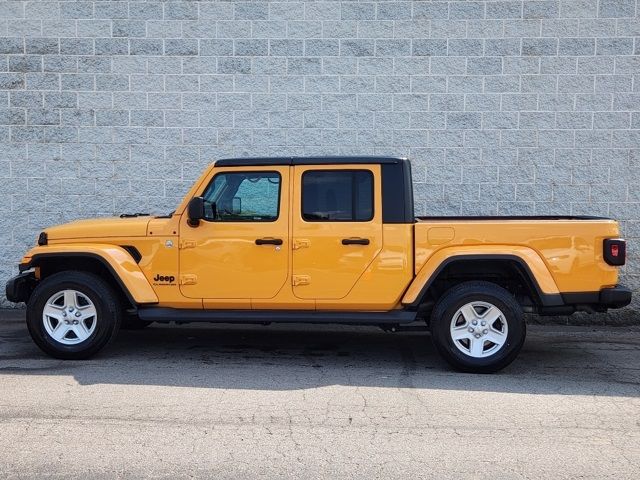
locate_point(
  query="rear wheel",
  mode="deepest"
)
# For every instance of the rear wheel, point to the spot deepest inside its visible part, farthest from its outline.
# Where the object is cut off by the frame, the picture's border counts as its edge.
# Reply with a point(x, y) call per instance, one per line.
point(478, 327)
point(73, 315)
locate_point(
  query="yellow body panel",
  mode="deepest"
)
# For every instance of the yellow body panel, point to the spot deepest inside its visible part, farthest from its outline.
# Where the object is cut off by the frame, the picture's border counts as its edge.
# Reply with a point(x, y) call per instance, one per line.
point(536, 265)
point(217, 265)
point(385, 279)
point(328, 268)
point(570, 251)
point(111, 227)
point(224, 260)
point(118, 259)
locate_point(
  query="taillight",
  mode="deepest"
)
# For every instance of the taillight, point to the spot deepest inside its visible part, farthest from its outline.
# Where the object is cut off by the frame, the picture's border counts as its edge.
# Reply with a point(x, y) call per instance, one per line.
point(615, 251)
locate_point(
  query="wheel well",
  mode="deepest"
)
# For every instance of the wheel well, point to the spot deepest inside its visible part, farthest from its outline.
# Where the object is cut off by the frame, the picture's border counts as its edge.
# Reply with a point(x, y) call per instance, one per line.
point(510, 274)
point(60, 263)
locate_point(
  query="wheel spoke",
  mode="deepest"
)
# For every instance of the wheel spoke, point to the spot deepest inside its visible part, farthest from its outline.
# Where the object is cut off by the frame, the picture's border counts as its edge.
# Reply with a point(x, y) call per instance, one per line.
point(495, 336)
point(460, 334)
point(476, 346)
point(469, 313)
point(60, 331)
point(69, 298)
point(87, 311)
point(81, 330)
point(491, 315)
point(53, 312)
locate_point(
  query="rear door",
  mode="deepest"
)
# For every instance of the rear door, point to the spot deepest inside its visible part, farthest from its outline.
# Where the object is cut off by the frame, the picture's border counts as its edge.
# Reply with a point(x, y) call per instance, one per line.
point(337, 227)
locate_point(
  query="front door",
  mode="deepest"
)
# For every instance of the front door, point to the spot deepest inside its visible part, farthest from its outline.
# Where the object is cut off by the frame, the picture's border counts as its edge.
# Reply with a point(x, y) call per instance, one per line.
point(239, 251)
point(337, 228)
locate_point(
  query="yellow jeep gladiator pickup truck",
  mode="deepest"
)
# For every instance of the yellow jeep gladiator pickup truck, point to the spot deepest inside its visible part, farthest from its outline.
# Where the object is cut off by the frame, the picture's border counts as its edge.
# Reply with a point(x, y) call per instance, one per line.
point(317, 240)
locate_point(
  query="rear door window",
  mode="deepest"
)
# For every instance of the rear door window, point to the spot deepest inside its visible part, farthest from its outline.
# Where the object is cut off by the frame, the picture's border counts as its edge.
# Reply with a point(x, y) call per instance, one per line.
point(337, 196)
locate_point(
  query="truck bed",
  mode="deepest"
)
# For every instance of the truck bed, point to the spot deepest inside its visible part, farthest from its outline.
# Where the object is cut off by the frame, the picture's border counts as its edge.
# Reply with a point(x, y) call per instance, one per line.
point(571, 247)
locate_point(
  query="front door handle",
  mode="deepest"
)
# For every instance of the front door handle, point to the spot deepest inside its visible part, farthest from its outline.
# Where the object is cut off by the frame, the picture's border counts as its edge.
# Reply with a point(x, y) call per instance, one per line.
point(268, 241)
point(355, 241)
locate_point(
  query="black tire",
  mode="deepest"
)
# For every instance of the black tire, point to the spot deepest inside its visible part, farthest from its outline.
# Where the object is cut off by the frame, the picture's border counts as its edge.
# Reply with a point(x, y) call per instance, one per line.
point(107, 319)
point(461, 295)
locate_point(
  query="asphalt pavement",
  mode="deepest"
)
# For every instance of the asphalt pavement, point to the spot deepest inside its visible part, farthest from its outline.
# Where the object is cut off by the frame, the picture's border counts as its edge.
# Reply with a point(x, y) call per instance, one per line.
point(202, 401)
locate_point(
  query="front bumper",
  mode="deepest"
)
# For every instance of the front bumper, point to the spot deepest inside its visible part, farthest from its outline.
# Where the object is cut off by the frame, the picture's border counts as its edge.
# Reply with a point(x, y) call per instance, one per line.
point(19, 288)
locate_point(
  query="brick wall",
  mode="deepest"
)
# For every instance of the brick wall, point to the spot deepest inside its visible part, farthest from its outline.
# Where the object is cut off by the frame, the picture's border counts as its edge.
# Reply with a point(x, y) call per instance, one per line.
point(505, 107)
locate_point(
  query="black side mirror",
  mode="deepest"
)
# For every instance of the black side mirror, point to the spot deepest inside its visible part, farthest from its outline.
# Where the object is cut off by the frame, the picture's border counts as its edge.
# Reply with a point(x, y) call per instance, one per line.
point(195, 211)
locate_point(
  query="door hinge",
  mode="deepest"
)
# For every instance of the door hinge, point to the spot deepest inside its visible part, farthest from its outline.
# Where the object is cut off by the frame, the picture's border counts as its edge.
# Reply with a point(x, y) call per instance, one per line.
point(300, 280)
point(299, 243)
point(188, 279)
point(188, 244)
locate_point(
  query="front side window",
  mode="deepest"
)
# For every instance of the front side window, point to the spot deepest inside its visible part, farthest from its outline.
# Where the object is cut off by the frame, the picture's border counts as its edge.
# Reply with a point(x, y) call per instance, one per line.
point(337, 195)
point(243, 197)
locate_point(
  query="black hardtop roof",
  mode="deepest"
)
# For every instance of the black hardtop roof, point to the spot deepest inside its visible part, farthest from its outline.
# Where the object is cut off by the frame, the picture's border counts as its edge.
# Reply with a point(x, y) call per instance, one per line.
point(329, 160)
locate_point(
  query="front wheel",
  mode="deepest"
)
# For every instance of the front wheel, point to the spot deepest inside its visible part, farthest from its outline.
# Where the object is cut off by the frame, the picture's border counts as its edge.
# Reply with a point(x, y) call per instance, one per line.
point(73, 315)
point(478, 327)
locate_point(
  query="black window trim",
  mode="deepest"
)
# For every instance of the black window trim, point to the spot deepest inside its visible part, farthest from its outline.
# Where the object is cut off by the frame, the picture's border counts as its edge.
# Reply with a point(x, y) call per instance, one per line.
point(353, 200)
point(231, 172)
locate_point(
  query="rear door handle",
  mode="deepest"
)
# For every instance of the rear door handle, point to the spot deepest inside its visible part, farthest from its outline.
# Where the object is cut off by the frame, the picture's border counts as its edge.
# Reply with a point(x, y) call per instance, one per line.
point(355, 241)
point(268, 241)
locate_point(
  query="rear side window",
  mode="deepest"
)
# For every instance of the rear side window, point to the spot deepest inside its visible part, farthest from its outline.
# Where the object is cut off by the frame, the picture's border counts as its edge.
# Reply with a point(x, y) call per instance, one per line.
point(337, 196)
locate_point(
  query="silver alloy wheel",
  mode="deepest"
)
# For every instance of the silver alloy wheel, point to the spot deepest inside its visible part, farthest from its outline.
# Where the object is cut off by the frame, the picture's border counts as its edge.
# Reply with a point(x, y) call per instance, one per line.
point(69, 317)
point(479, 329)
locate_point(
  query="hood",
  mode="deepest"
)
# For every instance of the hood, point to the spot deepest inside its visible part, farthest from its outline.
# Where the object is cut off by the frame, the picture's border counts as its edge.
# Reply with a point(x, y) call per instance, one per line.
point(100, 228)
